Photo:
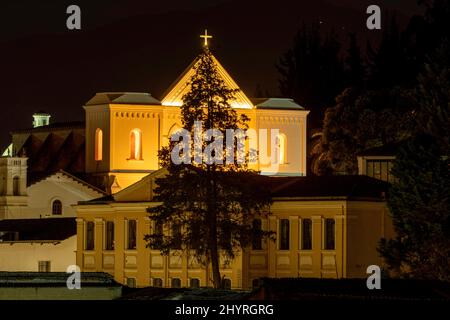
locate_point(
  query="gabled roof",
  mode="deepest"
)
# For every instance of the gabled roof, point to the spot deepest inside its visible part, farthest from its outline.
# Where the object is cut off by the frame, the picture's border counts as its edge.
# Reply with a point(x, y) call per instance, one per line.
point(140, 191)
point(123, 98)
point(69, 176)
point(56, 126)
point(347, 186)
point(276, 103)
point(323, 187)
point(390, 149)
point(52, 148)
point(180, 87)
point(44, 229)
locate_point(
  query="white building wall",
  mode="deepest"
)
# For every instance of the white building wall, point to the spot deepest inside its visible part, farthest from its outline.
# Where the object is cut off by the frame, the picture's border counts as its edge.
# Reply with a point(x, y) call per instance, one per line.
point(42, 194)
point(25, 256)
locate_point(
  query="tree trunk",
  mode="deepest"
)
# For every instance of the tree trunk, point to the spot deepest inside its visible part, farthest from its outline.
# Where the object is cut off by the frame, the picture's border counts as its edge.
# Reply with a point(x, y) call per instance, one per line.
point(212, 212)
point(217, 280)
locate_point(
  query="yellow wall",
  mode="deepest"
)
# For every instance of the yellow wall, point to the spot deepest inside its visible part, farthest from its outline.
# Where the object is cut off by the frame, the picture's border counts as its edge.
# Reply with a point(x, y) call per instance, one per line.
point(355, 244)
point(367, 223)
point(25, 255)
point(157, 122)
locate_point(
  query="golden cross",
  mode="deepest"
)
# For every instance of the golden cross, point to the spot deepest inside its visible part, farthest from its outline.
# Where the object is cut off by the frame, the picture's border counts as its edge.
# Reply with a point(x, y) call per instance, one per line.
point(206, 37)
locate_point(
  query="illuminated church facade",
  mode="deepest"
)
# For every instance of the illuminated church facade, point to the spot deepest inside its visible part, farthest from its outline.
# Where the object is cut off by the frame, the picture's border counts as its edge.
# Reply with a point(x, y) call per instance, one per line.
point(326, 227)
point(124, 131)
point(319, 221)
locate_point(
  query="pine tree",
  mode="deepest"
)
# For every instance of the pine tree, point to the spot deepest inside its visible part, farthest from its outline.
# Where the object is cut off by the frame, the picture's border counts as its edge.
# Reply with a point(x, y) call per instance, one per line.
point(387, 65)
point(420, 198)
point(355, 70)
point(419, 203)
point(210, 208)
point(312, 71)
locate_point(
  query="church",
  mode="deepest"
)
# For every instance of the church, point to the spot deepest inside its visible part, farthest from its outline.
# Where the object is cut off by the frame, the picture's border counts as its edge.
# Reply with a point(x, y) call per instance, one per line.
point(326, 227)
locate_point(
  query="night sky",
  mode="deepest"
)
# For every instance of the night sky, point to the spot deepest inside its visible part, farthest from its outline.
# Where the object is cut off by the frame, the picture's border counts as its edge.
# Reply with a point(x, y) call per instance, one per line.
point(142, 46)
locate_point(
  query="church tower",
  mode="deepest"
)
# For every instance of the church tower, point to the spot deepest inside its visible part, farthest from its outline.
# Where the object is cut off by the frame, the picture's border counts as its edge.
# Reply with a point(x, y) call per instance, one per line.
point(13, 183)
point(122, 138)
point(125, 131)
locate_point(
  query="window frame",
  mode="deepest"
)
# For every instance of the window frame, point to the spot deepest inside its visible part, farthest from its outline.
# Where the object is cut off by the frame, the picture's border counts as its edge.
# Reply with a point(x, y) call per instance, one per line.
point(327, 240)
point(287, 238)
point(109, 235)
point(59, 205)
point(303, 235)
point(172, 282)
point(135, 144)
point(45, 264)
point(16, 186)
point(154, 280)
point(194, 279)
point(87, 238)
point(98, 145)
point(128, 244)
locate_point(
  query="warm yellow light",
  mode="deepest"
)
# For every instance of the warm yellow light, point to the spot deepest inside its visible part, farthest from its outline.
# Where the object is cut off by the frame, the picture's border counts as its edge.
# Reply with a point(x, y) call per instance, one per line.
point(281, 145)
point(206, 37)
point(136, 144)
point(98, 144)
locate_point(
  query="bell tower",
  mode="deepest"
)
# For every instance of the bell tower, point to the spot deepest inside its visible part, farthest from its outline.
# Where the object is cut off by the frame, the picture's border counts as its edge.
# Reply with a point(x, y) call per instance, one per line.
point(13, 183)
point(122, 138)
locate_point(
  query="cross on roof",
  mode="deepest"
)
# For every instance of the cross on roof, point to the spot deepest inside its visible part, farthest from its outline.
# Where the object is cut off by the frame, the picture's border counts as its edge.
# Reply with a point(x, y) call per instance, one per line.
point(206, 37)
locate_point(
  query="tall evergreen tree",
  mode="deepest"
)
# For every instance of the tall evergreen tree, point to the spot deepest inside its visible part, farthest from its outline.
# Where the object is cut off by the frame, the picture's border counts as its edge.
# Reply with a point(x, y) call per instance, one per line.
point(419, 203)
point(312, 71)
point(387, 65)
point(419, 200)
point(360, 120)
point(354, 64)
point(209, 206)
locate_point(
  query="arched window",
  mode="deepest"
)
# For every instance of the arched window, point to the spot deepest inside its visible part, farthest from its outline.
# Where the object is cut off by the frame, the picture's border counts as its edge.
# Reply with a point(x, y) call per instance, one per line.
point(136, 144)
point(157, 282)
point(98, 144)
point(281, 145)
point(194, 283)
point(16, 186)
point(176, 283)
point(57, 208)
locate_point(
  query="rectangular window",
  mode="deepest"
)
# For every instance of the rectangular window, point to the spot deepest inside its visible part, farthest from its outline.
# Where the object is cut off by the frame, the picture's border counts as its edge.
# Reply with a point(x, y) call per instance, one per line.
point(194, 283)
point(44, 266)
point(284, 234)
point(131, 282)
point(89, 235)
point(109, 235)
point(131, 235)
point(377, 170)
point(157, 282)
point(330, 234)
point(370, 168)
point(306, 234)
point(176, 283)
point(257, 238)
